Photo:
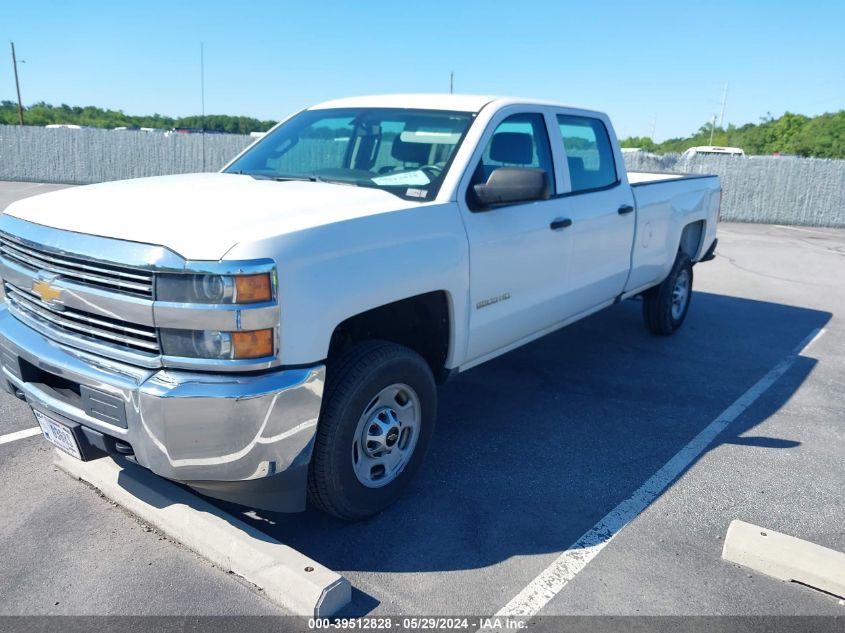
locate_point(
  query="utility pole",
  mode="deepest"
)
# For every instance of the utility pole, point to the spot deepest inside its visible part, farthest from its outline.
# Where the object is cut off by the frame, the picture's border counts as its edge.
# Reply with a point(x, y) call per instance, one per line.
point(724, 101)
point(17, 83)
point(712, 129)
point(452, 82)
point(202, 100)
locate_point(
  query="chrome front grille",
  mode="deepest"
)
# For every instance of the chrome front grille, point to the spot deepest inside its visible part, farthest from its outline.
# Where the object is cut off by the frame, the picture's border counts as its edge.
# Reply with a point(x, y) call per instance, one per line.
point(113, 332)
point(84, 271)
point(97, 294)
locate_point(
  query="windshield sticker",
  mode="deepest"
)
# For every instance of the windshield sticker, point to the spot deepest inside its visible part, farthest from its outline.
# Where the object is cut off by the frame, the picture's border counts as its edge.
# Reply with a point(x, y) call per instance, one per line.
point(417, 177)
point(416, 193)
point(430, 136)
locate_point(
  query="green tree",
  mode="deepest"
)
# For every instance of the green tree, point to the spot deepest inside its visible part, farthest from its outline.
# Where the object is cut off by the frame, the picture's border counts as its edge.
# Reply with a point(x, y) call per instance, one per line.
point(641, 142)
point(44, 114)
point(821, 136)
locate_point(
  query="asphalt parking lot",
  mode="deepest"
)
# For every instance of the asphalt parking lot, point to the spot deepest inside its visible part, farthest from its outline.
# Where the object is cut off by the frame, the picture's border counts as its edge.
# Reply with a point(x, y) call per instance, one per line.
point(531, 451)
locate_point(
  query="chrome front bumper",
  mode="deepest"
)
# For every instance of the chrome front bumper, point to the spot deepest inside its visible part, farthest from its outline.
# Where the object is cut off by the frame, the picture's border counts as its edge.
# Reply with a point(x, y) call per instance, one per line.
point(199, 428)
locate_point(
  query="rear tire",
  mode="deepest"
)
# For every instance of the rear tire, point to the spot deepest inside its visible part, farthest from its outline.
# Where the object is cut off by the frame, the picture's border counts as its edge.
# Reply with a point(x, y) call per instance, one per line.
point(665, 306)
point(375, 426)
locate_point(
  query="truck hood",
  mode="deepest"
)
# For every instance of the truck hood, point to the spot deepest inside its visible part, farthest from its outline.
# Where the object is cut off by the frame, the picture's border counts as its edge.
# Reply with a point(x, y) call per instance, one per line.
point(202, 216)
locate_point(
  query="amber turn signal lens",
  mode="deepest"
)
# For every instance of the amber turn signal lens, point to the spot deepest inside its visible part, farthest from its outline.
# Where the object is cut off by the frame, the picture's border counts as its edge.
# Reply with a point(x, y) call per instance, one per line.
point(256, 344)
point(253, 288)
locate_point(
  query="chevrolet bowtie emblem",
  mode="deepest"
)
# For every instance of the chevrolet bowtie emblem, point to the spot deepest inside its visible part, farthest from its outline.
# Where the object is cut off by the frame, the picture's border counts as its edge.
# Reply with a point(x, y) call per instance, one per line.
point(43, 289)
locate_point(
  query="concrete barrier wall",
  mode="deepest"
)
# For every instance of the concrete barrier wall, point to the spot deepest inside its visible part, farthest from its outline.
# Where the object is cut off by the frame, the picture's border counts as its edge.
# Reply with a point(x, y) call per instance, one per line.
point(86, 156)
point(767, 189)
point(802, 191)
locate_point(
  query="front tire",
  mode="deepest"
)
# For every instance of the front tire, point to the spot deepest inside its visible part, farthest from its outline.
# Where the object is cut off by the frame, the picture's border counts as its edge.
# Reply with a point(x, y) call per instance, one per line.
point(375, 426)
point(665, 306)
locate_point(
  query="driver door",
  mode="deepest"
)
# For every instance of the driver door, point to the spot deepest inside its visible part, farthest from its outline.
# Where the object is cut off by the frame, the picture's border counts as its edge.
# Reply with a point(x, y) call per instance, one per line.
point(517, 251)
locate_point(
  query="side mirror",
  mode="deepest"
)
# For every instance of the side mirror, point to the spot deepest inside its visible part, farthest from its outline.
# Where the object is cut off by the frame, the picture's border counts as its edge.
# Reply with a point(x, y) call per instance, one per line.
point(513, 184)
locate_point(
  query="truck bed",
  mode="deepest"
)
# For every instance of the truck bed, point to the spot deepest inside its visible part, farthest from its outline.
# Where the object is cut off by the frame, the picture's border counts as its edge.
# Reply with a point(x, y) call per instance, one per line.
point(662, 213)
point(639, 178)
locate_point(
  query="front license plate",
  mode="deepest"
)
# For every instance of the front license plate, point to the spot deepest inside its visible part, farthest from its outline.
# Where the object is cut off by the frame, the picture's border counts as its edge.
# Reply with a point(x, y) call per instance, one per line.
point(58, 434)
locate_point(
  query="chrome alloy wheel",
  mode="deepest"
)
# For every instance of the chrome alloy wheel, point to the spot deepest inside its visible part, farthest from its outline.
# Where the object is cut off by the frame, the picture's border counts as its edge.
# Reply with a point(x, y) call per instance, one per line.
point(386, 435)
point(680, 294)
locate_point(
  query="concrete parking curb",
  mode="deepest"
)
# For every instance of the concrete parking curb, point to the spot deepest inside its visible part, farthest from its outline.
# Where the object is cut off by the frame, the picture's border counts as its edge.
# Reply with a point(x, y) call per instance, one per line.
point(286, 577)
point(785, 557)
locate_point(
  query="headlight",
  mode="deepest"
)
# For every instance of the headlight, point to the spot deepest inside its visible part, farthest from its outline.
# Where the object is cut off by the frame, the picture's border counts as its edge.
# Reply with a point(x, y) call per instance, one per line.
point(217, 345)
point(213, 289)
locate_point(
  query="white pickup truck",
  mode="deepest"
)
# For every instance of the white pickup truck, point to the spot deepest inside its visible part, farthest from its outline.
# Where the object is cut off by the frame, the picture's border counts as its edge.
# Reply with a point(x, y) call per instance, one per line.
point(275, 331)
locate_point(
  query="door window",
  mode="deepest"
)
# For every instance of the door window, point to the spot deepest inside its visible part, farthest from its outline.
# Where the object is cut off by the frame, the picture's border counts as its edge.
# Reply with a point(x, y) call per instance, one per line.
point(520, 140)
point(588, 152)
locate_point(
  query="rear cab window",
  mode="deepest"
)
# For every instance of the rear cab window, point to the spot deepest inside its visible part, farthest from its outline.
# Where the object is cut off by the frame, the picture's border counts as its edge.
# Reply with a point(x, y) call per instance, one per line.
point(589, 153)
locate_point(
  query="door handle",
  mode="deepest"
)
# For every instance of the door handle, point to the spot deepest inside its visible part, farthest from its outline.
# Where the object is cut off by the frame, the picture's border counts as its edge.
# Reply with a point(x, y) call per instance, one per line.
point(560, 223)
point(625, 209)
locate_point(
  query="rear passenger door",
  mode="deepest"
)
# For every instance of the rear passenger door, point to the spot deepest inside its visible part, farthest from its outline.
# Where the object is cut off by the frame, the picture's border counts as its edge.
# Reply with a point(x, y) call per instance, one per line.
point(601, 206)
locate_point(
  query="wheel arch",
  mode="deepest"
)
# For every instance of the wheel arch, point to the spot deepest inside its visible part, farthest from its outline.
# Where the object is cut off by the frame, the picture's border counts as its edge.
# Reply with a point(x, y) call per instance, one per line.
point(423, 323)
point(692, 238)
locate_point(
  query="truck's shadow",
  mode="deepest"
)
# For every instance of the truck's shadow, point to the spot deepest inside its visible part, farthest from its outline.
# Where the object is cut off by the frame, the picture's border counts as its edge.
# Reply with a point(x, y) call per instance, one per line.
point(533, 448)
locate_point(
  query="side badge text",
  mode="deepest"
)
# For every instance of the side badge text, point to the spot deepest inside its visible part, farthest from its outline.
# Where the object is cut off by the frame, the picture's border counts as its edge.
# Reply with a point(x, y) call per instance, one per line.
point(488, 302)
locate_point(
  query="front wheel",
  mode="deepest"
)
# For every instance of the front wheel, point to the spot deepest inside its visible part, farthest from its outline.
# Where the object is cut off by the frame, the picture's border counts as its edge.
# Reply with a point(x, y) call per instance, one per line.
point(665, 306)
point(375, 426)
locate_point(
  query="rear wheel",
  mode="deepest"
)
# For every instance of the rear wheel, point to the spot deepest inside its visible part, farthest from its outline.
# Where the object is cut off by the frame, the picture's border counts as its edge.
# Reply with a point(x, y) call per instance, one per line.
point(665, 306)
point(375, 426)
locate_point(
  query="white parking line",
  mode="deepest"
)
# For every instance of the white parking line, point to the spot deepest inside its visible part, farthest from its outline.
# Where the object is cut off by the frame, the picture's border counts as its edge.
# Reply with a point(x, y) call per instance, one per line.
point(565, 567)
point(19, 435)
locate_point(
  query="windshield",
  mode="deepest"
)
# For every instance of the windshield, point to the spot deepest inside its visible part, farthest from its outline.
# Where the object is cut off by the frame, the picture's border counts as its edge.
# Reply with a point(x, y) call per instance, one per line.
point(406, 152)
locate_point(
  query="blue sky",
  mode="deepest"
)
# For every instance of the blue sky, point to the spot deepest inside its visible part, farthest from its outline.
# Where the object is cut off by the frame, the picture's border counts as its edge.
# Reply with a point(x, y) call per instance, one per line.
point(658, 66)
